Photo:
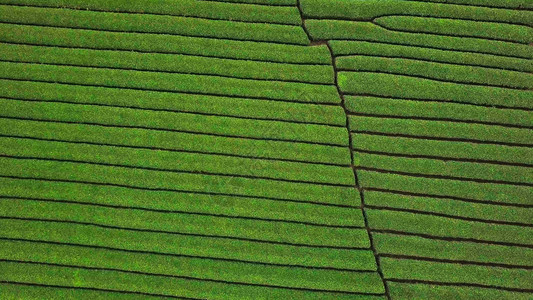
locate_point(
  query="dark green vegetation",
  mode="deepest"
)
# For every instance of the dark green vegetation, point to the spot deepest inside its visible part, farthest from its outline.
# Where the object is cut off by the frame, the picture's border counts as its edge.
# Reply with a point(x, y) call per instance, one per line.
point(266, 149)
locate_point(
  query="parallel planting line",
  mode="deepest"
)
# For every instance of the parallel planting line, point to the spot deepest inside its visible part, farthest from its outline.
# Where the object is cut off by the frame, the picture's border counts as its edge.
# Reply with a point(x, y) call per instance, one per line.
point(423, 60)
point(107, 248)
point(143, 13)
point(171, 130)
point(460, 284)
point(171, 150)
point(435, 176)
point(527, 109)
point(164, 211)
point(421, 212)
point(173, 72)
point(175, 190)
point(3, 98)
point(459, 262)
point(427, 77)
point(186, 277)
point(444, 139)
point(435, 119)
point(172, 91)
point(94, 289)
point(416, 46)
point(185, 233)
point(516, 205)
point(452, 239)
point(156, 33)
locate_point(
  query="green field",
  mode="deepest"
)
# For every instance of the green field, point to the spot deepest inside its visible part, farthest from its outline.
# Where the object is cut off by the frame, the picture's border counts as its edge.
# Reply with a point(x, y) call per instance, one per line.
point(266, 149)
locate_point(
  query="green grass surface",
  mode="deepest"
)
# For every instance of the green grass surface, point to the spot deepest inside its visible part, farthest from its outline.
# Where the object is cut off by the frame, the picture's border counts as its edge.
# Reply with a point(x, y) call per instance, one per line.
point(266, 149)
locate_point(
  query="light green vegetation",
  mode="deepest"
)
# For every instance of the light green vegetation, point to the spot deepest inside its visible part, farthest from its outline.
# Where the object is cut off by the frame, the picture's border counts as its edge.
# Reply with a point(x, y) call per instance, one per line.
point(155, 81)
point(164, 180)
point(185, 224)
point(367, 31)
point(288, 34)
point(490, 30)
point(450, 207)
point(437, 167)
point(145, 283)
point(171, 121)
point(401, 86)
point(153, 139)
point(259, 251)
point(187, 8)
point(437, 110)
point(446, 272)
point(449, 227)
point(343, 48)
point(426, 291)
point(192, 267)
point(439, 71)
point(444, 149)
point(460, 251)
point(500, 193)
point(521, 4)
point(168, 63)
point(370, 9)
point(174, 44)
point(195, 203)
point(172, 101)
point(177, 161)
point(441, 129)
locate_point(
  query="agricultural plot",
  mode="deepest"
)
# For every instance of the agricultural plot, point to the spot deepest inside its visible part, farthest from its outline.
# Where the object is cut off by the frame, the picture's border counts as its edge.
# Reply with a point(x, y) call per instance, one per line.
point(266, 149)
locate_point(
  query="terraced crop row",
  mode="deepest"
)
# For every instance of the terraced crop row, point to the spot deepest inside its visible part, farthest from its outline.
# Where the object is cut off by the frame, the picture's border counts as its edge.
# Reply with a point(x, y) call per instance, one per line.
point(149, 144)
point(438, 98)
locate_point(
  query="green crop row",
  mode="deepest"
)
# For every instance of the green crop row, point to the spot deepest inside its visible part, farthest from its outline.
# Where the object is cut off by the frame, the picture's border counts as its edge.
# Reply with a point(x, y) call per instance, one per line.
point(441, 129)
point(168, 63)
point(155, 81)
point(186, 8)
point(461, 28)
point(130, 137)
point(343, 48)
point(521, 4)
point(456, 273)
point(192, 267)
point(148, 179)
point(388, 85)
point(173, 44)
point(446, 149)
point(431, 70)
point(179, 161)
point(194, 103)
point(467, 170)
point(461, 251)
point(289, 34)
point(500, 193)
point(14, 290)
point(451, 207)
point(184, 202)
point(261, 2)
point(367, 31)
point(187, 223)
point(370, 9)
point(177, 287)
point(435, 109)
point(188, 245)
point(448, 227)
point(162, 120)
point(408, 291)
